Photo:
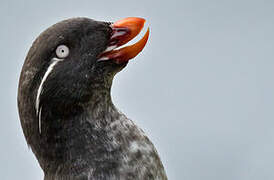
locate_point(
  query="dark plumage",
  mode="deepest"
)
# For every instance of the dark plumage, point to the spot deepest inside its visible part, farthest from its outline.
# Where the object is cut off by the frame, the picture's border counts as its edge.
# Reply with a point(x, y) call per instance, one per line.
point(72, 126)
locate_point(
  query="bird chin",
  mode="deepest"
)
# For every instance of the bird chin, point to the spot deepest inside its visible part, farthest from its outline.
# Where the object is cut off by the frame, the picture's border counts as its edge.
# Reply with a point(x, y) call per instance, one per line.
point(124, 31)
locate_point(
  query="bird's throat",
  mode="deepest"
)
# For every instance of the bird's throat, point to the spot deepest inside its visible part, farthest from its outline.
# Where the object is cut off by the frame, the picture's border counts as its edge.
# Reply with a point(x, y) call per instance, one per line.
point(81, 142)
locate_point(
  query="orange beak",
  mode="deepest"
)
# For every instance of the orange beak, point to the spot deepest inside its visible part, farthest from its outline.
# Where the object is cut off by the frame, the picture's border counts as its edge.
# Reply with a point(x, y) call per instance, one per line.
point(123, 31)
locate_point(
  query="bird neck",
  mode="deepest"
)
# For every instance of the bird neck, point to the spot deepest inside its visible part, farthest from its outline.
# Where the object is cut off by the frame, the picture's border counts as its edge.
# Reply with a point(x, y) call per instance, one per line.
point(80, 143)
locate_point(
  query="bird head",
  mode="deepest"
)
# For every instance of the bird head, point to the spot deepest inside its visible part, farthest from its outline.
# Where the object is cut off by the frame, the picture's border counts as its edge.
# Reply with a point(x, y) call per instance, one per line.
point(69, 66)
point(75, 59)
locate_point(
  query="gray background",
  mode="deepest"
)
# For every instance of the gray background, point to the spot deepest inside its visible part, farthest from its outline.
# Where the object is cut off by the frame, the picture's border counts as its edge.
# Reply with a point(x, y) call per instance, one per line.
point(202, 89)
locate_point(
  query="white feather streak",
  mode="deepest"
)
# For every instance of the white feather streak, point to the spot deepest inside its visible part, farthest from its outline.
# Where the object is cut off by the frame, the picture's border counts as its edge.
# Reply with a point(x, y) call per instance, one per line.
point(54, 61)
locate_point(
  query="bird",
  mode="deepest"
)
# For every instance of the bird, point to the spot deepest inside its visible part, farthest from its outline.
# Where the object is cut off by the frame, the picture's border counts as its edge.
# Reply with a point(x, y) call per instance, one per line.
point(65, 107)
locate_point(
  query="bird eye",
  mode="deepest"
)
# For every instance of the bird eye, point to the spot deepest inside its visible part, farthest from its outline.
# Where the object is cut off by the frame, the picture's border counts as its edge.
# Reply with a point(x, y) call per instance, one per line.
point(62, 51)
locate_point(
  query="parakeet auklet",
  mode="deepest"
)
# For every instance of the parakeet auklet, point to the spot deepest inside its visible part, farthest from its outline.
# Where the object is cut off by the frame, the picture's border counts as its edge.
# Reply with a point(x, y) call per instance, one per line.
point(65, 105)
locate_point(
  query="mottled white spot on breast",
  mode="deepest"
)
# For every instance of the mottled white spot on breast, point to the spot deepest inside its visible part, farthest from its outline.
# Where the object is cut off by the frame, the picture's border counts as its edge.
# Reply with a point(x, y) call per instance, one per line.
point(144, 148)
point(134, 146)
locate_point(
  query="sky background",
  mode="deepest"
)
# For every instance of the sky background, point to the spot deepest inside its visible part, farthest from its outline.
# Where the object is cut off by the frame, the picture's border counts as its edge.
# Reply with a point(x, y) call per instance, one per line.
point(202, 89)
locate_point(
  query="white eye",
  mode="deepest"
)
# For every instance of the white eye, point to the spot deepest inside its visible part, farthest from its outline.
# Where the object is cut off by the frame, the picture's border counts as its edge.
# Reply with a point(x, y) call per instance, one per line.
point(62, 51)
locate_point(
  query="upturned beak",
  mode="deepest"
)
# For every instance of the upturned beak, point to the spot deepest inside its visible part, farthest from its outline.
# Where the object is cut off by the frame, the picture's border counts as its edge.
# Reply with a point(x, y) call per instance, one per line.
point(122, 32)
